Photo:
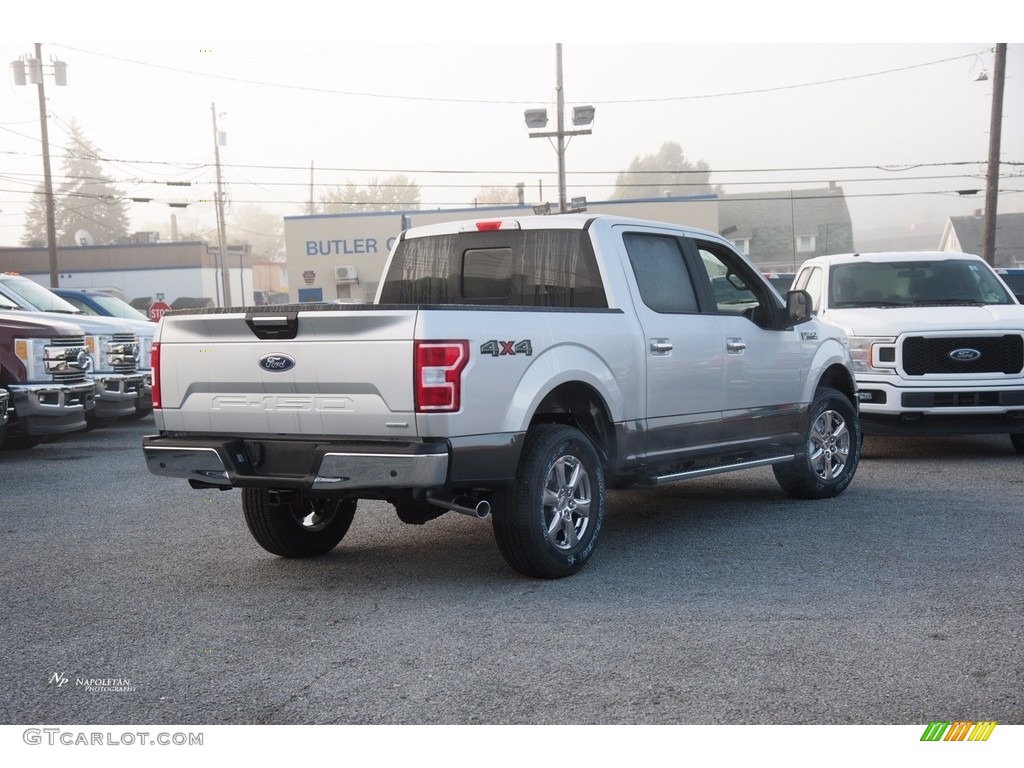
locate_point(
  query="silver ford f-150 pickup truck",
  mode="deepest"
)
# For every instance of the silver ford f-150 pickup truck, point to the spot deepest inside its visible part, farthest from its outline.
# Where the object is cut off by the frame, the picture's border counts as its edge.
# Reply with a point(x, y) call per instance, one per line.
point(513, 368)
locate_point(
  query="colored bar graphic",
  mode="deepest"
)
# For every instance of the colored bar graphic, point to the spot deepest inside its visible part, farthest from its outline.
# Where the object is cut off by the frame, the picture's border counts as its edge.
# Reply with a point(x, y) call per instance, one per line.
point(982, 730)
point(934, 731)
point(958, 730)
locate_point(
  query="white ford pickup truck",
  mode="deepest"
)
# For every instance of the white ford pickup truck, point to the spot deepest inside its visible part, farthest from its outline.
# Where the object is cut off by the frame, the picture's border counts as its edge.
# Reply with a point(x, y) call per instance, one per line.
point(511, 368)
point(937, 340)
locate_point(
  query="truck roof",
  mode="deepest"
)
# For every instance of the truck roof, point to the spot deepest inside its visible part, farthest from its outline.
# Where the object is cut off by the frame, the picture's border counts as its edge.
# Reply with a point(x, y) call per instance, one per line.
point(848, 258)
point(579, 221)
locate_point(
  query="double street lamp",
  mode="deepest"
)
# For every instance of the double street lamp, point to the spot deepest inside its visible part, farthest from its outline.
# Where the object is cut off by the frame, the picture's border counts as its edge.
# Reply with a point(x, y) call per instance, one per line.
point(582, 119)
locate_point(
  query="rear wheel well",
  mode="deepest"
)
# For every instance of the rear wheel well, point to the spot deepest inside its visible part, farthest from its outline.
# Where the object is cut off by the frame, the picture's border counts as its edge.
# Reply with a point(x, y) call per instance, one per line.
point(579, 405)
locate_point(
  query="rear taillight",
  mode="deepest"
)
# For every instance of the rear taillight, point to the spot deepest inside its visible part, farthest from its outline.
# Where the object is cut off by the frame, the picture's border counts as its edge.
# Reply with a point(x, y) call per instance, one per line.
point(437, 371)
point(154, 357)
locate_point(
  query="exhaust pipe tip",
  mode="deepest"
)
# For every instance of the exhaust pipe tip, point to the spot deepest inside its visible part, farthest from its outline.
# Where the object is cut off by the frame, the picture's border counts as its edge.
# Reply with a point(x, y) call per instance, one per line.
point(465, 505)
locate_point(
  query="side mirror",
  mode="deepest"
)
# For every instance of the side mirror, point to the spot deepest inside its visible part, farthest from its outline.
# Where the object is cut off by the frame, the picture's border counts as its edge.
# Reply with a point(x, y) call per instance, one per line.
point(798, 306)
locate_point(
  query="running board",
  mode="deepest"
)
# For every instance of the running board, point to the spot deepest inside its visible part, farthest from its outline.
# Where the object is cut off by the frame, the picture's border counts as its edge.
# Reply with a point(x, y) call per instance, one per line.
point(714, 470)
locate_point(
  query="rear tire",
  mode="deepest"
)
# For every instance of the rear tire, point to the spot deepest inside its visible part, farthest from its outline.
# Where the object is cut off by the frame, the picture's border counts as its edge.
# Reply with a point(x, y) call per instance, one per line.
point(547, 524)
point(307, 527)
point(1017, 439)
point(832, 443)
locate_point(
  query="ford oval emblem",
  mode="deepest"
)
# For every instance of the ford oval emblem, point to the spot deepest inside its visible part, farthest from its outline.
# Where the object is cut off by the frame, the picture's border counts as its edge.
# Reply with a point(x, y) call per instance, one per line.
point(964, 354)
point(277, 363)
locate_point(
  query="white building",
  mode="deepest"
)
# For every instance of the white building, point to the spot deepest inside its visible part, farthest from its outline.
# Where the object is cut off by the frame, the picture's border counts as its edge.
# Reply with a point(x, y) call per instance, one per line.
point(341, 256)
point(156, 270)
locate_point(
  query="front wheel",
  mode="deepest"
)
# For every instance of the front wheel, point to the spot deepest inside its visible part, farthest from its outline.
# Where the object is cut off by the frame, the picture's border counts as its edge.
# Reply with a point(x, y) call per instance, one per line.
point(306, 526)
point(832, 443)
point(548, 523)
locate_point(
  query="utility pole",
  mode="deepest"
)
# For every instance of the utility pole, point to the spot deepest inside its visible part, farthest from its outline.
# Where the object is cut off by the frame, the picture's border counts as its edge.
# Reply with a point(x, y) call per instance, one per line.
point(35, 75)
point(51, 219)
point(312, 204)
point(222, 255)
point(988, 236)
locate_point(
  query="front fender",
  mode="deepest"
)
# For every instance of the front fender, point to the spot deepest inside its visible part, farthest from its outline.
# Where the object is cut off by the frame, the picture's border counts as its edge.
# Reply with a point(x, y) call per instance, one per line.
point(831, 356)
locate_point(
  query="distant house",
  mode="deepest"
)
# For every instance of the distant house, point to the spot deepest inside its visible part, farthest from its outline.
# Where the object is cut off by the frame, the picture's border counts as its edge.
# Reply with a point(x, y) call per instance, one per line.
point(779, 230)
point(963, 234)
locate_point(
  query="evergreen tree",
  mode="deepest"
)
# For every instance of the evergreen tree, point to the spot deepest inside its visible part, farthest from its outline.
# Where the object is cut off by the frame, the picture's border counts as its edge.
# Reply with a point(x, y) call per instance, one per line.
point(87, 199)
point(666, 173)
point(34, 235)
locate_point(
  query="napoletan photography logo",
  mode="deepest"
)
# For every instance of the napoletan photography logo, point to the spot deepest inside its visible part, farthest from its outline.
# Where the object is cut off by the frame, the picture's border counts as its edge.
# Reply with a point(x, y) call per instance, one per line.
point(958, 730)
point(93, 684)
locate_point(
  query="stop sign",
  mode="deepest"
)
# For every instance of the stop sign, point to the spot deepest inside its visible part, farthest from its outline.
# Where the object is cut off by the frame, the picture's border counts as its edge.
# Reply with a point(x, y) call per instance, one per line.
point(157, 309)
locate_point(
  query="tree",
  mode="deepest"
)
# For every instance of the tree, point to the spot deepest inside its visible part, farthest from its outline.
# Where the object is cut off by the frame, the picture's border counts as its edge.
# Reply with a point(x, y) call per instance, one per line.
point(34, 235)
point(262, 229)
point(666, 173)
point(497, 196)
point(86, 200)
point(394, 193)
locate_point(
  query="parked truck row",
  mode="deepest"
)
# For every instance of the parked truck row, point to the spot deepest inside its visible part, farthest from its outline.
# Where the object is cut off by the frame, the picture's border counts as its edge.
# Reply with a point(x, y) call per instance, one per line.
point(64, 371)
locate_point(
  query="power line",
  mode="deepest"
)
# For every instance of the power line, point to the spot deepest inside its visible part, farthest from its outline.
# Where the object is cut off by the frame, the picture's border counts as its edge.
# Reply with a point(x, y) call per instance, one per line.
point(890, 168)
point(454, 100)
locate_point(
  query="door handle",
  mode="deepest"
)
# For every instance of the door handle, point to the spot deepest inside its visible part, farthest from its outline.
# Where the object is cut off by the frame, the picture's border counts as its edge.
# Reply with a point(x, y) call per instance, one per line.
point(660, 346)
point(735, 346)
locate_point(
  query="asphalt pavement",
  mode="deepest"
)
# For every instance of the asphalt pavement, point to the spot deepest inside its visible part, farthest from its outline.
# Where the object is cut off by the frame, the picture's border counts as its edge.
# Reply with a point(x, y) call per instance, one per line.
point(131, 598)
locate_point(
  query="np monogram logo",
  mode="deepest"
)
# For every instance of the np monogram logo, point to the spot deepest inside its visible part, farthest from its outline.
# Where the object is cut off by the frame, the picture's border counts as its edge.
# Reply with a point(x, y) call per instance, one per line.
point(277, 363)
point(964, 355)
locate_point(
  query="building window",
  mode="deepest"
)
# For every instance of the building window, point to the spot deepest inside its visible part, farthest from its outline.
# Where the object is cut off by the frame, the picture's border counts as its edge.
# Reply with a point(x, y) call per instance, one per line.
point(742, 245)
point(805, 243)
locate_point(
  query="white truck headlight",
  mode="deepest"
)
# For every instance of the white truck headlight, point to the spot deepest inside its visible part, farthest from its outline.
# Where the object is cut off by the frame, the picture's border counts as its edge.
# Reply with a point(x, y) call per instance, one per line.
point(873, 354)
point(30, 353)
point(99, 351)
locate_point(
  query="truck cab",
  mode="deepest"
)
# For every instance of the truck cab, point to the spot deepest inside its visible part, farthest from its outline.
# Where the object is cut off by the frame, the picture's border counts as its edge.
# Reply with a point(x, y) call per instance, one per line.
point(937, 340)
point(43, 368)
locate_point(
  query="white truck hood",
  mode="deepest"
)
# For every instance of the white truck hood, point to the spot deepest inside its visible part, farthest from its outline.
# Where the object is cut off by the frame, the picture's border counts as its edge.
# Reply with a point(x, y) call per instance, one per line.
point(892, 321)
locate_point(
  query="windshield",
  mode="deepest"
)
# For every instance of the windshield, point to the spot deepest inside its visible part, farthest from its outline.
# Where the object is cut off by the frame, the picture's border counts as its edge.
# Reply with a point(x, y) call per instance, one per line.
point(915, 284)
point(111, 307)
point(41, 298)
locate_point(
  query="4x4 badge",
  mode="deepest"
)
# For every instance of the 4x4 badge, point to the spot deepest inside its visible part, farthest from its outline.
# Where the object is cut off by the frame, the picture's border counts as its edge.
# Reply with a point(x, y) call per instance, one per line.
point(497, 348)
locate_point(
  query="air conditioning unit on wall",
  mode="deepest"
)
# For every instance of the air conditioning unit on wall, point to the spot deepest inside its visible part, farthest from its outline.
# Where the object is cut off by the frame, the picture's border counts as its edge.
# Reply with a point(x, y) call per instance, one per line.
point(345, 275)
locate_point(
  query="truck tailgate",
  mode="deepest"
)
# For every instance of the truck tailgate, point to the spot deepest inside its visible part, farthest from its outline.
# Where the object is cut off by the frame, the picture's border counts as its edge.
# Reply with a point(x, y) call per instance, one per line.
point(345, 372)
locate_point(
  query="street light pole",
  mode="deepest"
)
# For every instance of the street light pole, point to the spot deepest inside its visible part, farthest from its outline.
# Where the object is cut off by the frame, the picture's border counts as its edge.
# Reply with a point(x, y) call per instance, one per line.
point(538, 118)
point(560, 91)
point(222, 256)
point(988, 236)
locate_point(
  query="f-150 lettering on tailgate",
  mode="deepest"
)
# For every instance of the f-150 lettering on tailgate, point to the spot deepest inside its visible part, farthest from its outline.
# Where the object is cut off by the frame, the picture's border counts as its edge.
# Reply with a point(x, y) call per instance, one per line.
point(281, 403)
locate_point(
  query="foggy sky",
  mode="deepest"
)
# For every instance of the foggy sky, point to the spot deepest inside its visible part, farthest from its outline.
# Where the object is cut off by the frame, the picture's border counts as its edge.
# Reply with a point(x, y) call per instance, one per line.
point(900, 126)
